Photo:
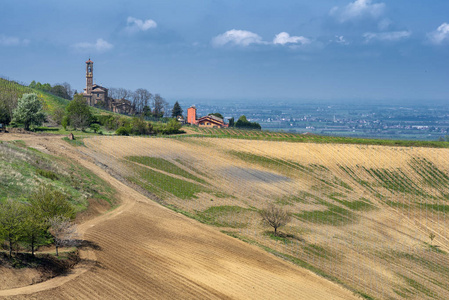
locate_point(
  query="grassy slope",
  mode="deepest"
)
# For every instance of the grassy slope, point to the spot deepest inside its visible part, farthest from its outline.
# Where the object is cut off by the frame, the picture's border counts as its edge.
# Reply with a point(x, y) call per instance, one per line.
point(23, 169)
point(49, 101)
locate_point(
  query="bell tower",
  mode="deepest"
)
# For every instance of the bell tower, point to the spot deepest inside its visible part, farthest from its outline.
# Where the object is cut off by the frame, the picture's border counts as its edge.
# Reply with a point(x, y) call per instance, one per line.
point(89, 76)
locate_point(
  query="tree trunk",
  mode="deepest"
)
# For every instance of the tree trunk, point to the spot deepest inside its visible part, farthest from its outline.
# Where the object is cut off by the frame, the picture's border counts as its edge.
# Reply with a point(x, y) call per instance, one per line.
point(32, 245)
point(57, 253)
point(10, 247)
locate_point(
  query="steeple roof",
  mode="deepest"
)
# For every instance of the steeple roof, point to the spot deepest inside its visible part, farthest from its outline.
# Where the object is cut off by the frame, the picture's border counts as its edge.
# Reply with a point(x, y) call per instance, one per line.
point(89, 61)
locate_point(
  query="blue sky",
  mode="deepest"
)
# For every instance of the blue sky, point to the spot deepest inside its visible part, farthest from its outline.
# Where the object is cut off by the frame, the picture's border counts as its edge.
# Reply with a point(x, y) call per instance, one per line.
point(236, 50)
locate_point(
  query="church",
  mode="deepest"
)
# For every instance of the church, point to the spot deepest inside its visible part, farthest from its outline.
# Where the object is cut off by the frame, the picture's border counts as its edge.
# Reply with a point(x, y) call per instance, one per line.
point(97, 96)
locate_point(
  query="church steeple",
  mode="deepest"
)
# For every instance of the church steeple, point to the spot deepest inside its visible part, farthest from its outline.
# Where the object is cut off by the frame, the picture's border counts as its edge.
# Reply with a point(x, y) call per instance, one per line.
point(89, 76)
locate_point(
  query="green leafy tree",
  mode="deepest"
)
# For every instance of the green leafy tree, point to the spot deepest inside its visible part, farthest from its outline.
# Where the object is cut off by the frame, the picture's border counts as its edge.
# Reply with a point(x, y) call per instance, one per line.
point(48, 202)
point(146, 111)
point(243, 123)
point(140, 126)
point(5, 117)
point(29, 111)
point(177, 110)
point(60, 91)
point(34, 228)
point(172, 126)
point(95, 127)
point(231, 122)
point(58, 115)
point(12, 217)
point(78, 112)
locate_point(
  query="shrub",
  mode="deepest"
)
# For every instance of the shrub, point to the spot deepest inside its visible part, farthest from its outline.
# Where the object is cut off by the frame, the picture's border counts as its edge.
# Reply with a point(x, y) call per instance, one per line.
point(123, 131)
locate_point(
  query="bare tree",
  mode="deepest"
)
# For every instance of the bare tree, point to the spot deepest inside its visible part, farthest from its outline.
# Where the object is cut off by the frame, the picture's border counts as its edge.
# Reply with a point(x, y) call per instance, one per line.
point(64, 232)
point(124, 93)
point(113, 92)
point(68, 89)
point(158, 106)
point(141, 98)
point(275, 216)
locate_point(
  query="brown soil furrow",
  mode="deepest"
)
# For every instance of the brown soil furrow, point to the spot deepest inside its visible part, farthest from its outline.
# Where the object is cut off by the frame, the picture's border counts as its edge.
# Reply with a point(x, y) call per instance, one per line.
point(149, 252)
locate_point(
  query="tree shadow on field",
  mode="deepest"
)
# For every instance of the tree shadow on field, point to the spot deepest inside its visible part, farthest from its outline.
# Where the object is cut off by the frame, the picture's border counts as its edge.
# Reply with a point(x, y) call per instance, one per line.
point(84, 245)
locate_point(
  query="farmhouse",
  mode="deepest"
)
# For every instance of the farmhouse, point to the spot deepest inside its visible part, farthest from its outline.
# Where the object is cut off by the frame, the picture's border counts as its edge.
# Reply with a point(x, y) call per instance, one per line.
point(97, 95)
point(206, 121)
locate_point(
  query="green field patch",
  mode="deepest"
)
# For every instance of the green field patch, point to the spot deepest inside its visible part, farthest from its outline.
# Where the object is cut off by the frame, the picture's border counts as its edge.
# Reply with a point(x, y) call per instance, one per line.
point(430, 173)
point(435, 248)
point(415, 286)
point(334, 215)
point(319, 251)
point(78, 142)
point(164, 165)
point(225, 216)
point(435, 207)
point(278, 237)
point(158, 183)
point(351, 173)
point(357, 205)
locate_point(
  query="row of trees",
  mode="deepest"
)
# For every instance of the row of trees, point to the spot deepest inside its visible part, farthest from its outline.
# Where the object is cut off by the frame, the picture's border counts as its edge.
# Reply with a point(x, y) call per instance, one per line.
point(45, 217)
point(143, 101)
point(63, 90)
point(243, 123)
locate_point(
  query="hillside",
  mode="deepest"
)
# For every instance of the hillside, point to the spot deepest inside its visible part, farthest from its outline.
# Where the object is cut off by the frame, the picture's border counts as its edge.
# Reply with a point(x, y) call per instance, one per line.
point(363, 214)
point(141, 250)
point(14, 90)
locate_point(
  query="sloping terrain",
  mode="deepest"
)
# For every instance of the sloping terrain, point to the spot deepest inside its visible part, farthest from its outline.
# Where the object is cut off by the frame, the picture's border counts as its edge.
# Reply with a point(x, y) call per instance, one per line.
point(363, 214)
point(143, 250)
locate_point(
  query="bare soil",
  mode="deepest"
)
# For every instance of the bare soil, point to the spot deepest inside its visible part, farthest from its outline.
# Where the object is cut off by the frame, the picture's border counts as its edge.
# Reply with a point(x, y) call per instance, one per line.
point(142, 250)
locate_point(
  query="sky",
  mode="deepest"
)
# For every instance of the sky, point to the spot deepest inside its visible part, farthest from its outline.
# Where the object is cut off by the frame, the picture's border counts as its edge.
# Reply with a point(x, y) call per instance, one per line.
point(202, 50)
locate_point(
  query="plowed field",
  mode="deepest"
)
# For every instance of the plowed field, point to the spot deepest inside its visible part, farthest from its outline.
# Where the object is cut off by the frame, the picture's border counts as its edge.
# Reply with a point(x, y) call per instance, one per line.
point(143, 250)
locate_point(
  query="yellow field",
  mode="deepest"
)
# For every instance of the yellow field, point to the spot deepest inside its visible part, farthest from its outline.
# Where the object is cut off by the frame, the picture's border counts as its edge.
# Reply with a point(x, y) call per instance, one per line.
point(362, 218)
point(381, 249)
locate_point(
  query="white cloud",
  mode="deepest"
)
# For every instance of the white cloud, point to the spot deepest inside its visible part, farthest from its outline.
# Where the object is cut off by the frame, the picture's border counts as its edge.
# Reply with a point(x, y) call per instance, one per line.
point(284, 38)
point(99, 46)
point(12, 41)
point(386, 36)
point(339, 39)
point(440, 35)
point(134, 25)
point(358, 9)
point(237, 37)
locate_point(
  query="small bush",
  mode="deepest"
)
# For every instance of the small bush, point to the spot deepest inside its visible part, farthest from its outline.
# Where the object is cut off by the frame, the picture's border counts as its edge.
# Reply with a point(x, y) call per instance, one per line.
point(123, 131)
point(47, 174)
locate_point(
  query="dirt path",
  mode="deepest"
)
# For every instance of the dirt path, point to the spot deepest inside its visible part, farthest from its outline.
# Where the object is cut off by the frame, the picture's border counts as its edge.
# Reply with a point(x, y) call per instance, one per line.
point(146, 251)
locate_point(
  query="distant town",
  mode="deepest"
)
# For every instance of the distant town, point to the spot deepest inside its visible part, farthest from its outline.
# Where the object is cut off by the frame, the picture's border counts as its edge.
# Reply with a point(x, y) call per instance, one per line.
point(392, 121)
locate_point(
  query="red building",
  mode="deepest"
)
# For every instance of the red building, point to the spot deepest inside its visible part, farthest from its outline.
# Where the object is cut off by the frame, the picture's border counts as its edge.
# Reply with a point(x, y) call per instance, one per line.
point(206, 121)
